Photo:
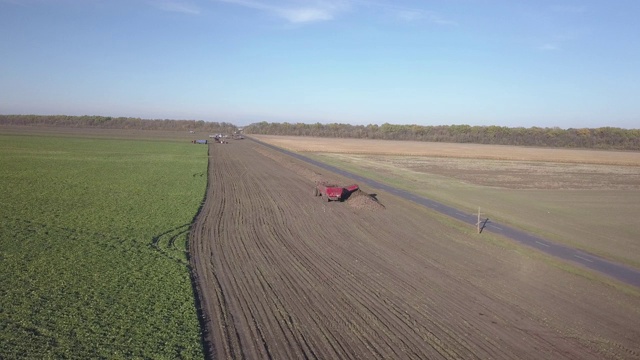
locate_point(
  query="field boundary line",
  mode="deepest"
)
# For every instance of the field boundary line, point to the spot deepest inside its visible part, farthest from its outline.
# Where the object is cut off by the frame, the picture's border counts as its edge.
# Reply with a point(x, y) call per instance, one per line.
point(207, 345)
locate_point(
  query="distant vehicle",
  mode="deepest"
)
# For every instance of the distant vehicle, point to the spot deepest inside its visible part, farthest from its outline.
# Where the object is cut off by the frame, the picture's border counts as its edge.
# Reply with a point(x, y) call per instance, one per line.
point(199, 141)
point(220, 139)
point(334, 192)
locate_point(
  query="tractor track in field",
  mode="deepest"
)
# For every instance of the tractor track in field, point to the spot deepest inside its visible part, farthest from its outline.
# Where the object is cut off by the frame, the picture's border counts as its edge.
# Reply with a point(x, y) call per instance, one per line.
point(281, 275)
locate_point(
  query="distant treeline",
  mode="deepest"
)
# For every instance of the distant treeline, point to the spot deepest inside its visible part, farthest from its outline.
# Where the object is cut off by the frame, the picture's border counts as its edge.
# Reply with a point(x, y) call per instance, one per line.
point(107, 122)
point(610, 138)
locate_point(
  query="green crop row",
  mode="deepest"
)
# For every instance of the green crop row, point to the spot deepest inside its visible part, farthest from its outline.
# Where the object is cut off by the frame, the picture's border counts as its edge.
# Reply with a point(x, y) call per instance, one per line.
point(93, 247)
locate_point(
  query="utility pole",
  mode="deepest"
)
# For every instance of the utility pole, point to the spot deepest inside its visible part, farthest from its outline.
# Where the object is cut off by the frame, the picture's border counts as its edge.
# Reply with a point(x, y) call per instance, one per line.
point(478, 224)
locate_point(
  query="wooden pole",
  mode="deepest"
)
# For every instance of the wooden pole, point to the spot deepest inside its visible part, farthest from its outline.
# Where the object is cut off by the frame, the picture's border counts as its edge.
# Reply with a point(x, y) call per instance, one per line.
point(478, 224)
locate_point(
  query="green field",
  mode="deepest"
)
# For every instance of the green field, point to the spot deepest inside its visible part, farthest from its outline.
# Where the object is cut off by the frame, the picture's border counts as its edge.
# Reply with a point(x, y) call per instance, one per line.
point(93, 247)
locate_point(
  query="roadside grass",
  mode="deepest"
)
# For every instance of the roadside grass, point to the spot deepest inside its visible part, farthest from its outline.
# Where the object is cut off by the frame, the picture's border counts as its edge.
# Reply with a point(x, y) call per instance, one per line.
point(93, 247)
point(469, 234)
point(602, 222)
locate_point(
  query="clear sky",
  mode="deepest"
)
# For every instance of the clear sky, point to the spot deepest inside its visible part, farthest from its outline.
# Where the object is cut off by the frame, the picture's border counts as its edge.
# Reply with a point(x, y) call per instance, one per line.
point(573, 63)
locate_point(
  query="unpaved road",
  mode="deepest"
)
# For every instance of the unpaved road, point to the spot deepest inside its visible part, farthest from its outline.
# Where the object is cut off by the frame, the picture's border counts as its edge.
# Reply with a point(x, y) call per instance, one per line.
point(282, 275)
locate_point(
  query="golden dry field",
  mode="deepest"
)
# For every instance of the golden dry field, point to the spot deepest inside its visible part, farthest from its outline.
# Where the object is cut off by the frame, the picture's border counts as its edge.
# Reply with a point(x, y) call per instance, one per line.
point(473, 151)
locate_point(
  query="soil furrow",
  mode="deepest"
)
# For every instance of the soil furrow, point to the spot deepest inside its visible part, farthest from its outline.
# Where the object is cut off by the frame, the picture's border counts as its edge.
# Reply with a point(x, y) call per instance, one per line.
point(282, 274)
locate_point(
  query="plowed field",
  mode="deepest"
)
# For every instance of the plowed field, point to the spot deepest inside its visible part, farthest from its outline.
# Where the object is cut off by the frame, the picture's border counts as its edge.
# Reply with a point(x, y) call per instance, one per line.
point(280, 274)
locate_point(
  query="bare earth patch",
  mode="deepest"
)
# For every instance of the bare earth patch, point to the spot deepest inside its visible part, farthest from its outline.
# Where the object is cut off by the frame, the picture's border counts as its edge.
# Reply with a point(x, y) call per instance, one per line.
point(582, 198)
point(358, 199)
point(281, 275)
point(361, 200)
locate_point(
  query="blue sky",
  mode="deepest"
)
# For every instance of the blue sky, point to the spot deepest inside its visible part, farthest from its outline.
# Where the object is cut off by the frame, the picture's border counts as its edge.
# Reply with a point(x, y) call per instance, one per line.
point(479, 62)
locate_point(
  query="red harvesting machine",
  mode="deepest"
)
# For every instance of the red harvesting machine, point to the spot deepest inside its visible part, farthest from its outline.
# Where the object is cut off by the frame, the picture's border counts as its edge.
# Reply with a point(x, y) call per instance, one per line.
point(334, 192)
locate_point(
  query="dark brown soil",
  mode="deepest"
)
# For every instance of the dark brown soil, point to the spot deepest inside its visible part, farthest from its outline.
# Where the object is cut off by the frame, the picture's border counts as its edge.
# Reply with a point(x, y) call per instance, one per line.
point(281, 275)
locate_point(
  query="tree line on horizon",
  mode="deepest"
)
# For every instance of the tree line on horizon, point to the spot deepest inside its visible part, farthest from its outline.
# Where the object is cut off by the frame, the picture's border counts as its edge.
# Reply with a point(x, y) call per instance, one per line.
point(108, 122)
point(605, 138)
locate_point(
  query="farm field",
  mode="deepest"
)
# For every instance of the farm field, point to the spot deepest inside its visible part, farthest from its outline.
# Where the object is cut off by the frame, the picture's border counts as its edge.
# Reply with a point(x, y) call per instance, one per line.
point(582, 198)
point(97, 133)
point(93, 246)
point(454, 150)
point(282, 274)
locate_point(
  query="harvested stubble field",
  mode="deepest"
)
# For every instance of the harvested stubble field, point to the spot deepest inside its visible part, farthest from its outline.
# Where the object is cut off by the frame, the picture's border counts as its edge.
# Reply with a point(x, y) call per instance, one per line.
point(454, 150)
point(282, 274)
point(582, 198)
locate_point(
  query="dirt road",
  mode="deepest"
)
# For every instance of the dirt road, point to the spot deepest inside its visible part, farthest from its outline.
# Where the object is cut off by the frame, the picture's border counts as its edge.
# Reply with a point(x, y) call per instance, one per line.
point(282, 275)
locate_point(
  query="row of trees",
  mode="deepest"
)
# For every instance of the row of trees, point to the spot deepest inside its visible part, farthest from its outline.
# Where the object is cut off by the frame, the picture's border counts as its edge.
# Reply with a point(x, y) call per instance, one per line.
point(107, 122)
point(599, 138)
